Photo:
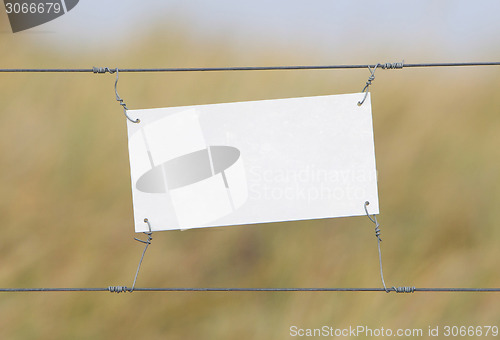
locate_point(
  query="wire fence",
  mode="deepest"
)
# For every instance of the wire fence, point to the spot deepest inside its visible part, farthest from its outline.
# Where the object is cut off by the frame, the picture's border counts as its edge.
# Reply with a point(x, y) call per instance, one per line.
point(398, 65)
point(371, 67)
point(122, 289)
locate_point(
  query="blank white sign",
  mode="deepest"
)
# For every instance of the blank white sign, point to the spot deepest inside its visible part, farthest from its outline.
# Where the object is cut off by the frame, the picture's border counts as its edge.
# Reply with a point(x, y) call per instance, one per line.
point(252, 162)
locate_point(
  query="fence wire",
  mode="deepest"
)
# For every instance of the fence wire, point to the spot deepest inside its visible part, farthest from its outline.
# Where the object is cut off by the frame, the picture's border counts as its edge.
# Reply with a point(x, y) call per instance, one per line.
point(398, 65)
point(123, 289)
point(120, 289)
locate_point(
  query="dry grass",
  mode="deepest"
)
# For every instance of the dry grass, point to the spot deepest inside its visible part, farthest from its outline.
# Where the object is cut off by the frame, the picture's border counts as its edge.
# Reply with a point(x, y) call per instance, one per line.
point(66, 213)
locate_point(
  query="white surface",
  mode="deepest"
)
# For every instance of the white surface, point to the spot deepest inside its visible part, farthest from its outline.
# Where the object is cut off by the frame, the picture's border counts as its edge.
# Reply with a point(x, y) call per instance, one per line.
point(174, 136)
point(300, 158)
point(236, 180)
point(138, 153)
point(201, 202)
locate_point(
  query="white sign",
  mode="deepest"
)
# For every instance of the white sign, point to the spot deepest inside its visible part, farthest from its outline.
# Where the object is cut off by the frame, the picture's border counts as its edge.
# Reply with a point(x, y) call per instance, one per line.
point(252, 162)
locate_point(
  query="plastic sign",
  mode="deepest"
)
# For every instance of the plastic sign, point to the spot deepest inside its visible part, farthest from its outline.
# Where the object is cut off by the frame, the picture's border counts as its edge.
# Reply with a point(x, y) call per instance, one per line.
point(252, 162)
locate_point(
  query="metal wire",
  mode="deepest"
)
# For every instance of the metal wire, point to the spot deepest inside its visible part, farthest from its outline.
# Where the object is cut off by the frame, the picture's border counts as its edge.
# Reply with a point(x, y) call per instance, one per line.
point(366, 88)
point(377, 235)
point(173, 289)
point(123, 289)
point(250, 68)
point(118, 98)
point(147, 242)
point(120, 289)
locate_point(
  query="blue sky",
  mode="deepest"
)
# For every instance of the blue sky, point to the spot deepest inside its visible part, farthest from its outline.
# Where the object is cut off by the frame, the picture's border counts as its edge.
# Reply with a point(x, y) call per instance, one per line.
point(440, 30)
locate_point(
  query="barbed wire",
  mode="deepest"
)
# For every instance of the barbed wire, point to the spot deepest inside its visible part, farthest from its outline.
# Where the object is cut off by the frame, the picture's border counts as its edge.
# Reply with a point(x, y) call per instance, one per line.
point(398, 65)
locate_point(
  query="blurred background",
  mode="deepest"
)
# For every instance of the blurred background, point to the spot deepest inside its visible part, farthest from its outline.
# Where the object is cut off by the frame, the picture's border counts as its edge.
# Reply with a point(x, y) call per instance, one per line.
point(66, 205)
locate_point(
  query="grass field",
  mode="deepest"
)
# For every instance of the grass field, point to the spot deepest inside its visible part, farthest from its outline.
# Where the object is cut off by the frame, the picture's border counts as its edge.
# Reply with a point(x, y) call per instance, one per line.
point(66, 207)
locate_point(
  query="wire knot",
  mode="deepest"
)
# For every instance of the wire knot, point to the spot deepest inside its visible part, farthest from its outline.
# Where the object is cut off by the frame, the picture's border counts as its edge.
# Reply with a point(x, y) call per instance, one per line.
point(374, 220)
point(368, 83)
point(377, 232)
point(392, 66)
point(103, 70)
point(118, 289)
point(404, 290)
point(147, 233)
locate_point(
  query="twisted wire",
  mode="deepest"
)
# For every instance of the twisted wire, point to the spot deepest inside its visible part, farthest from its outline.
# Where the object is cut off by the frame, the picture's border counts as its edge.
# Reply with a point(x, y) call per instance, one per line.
point(392, 66)
point(123, 289)
point(118, 289)
point(368, 83)
point(404, 289)
point(118, 99)
point(147, 242)
point(377, 235)
point(102, 70)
